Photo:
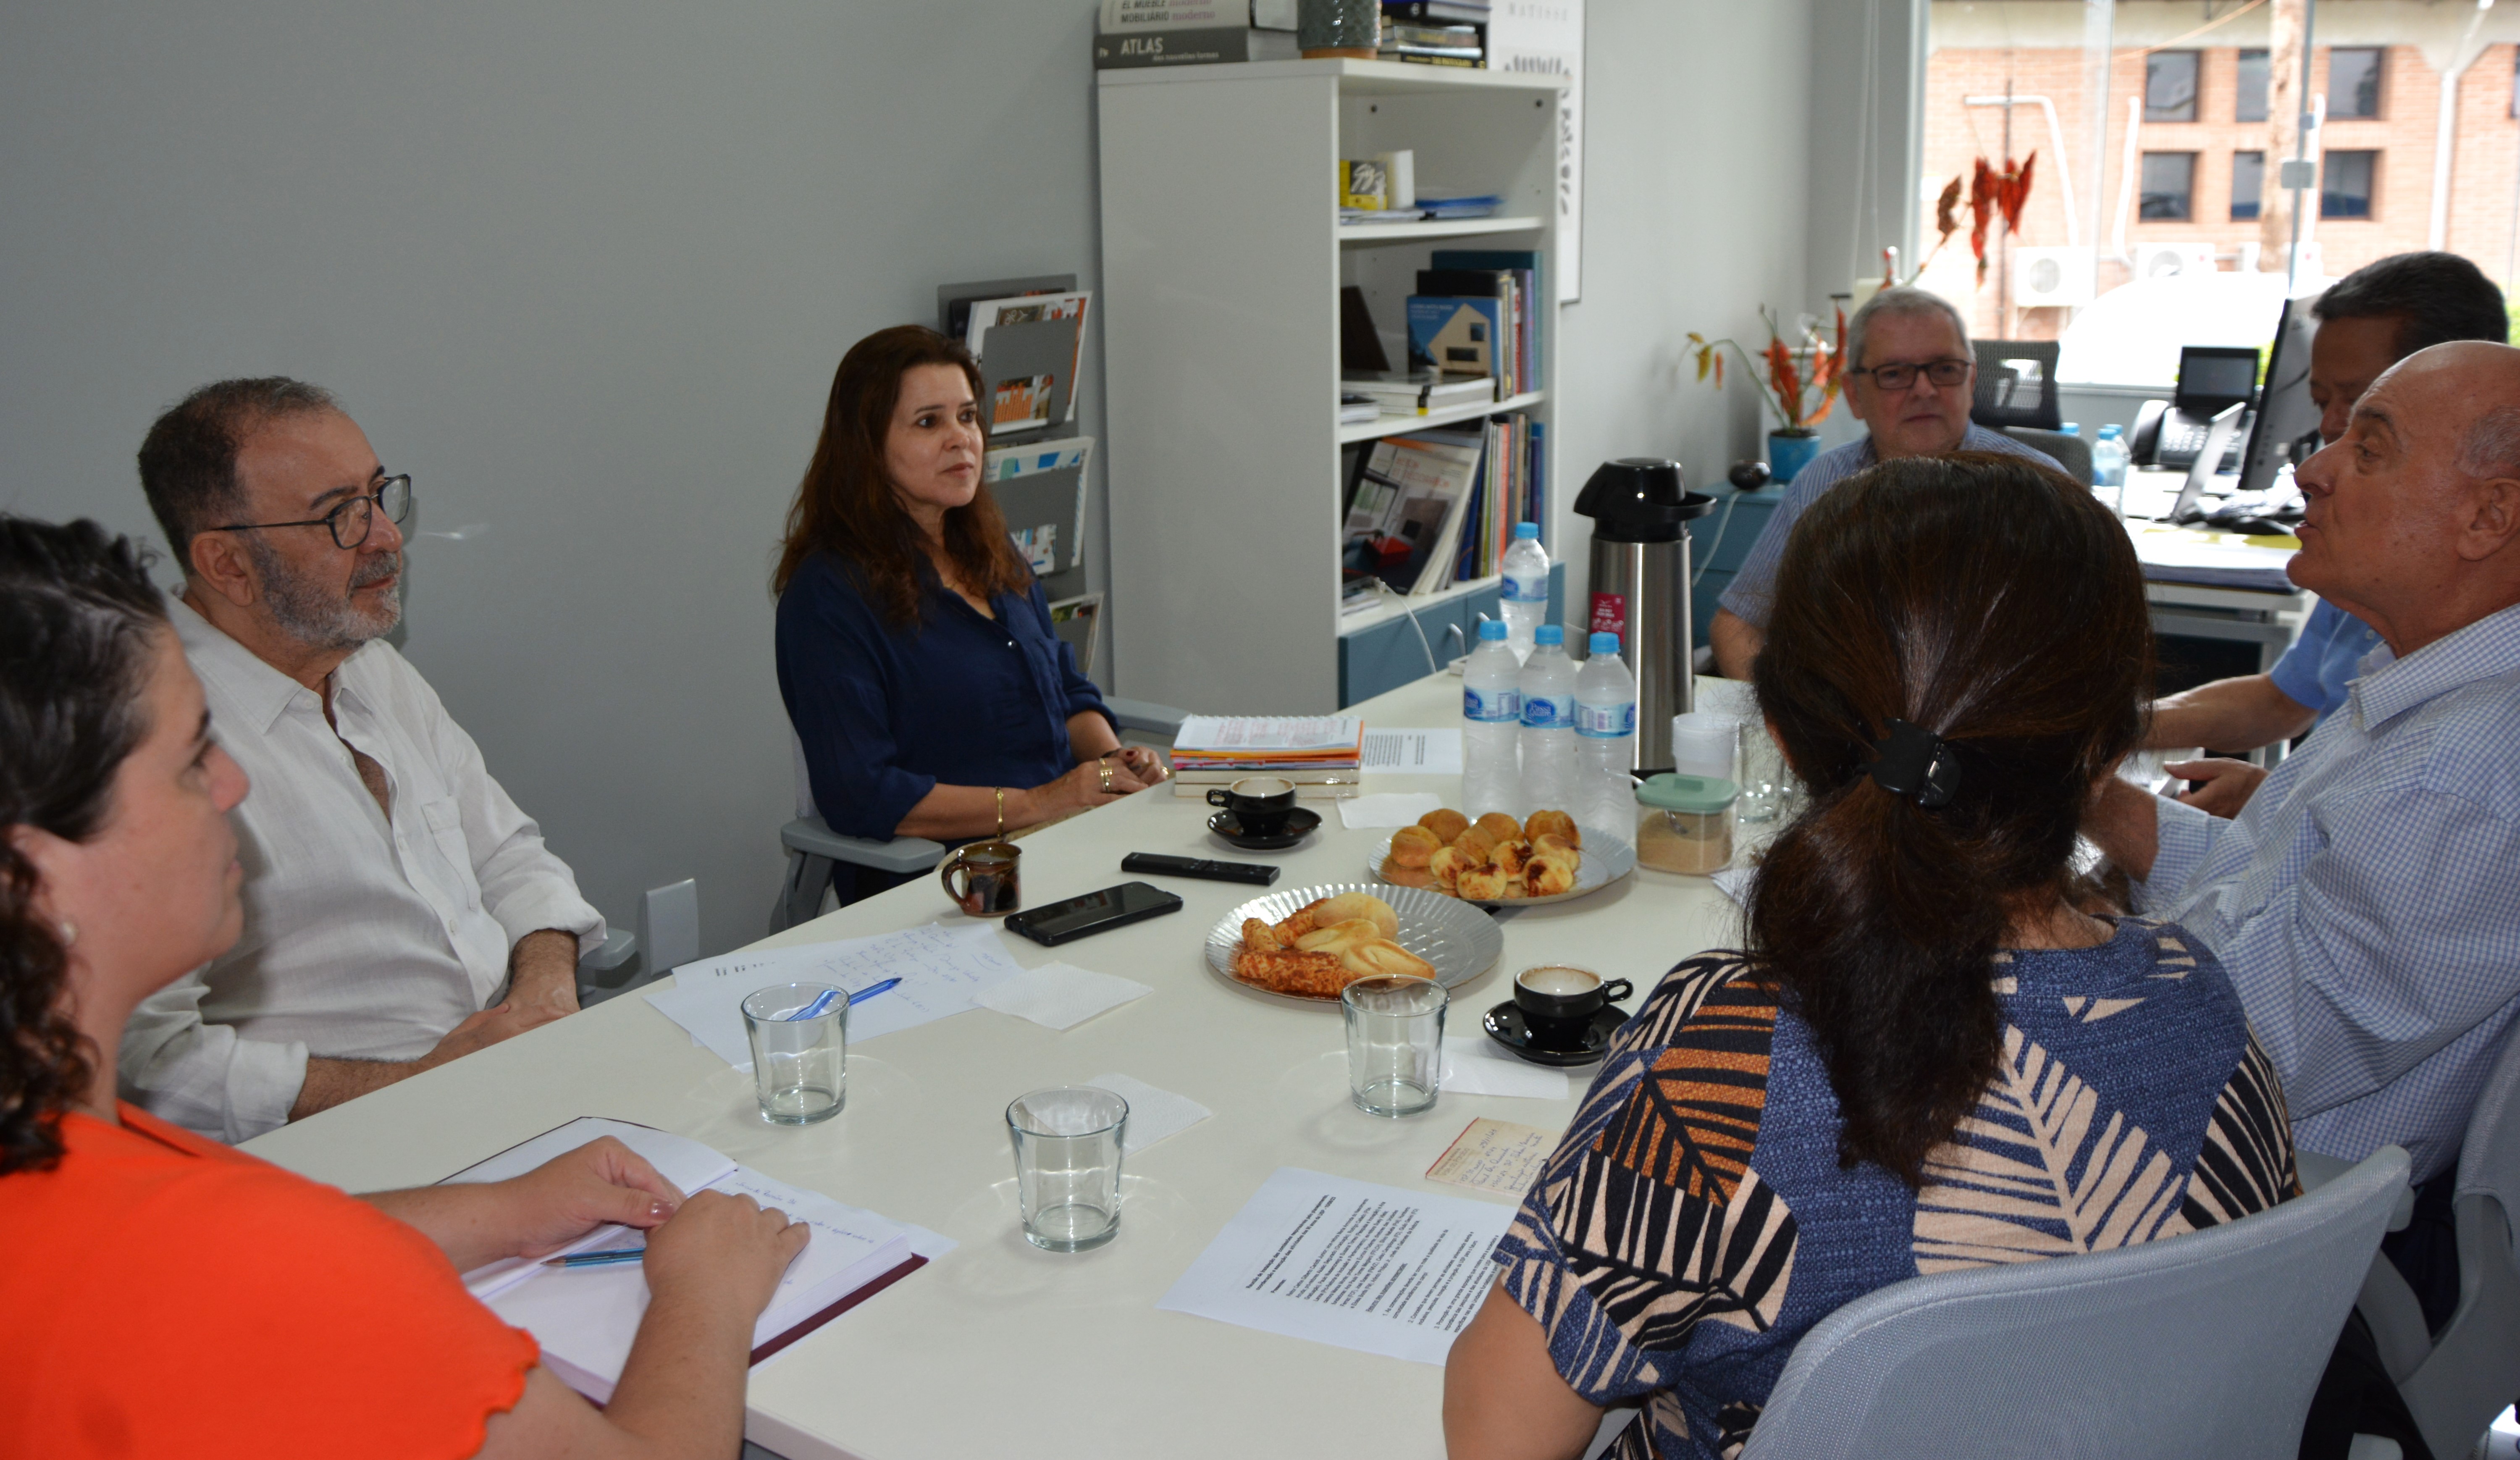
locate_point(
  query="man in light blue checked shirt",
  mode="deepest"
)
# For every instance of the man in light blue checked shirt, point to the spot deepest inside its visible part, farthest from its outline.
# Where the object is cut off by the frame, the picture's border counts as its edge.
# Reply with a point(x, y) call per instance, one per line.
point(1911, 375)
point(2366, 901)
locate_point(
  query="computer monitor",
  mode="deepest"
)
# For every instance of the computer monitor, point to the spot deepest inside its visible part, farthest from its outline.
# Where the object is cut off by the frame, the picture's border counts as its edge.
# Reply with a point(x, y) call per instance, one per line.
point(2213, 375)
point(2286, 412)
point(2200, 474)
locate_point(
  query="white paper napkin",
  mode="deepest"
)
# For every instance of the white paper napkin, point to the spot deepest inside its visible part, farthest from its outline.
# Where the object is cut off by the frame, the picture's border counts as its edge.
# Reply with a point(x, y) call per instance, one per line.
point(1473, 1065)
point(1060, 995)
point(1153, 1115)
point(1391, 808)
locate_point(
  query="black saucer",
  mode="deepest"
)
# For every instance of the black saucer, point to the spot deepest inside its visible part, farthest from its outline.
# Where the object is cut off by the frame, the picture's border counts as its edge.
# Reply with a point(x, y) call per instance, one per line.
point(1300, 823)
point(1506, 1026)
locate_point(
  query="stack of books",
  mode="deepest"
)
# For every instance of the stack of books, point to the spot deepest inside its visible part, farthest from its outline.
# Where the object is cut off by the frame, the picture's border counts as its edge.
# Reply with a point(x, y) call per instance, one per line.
point(1416, 392)
point(1311, 750)
point(1193, 33)
point(1436, 32)
point(1511, 487)
point(1476, 313)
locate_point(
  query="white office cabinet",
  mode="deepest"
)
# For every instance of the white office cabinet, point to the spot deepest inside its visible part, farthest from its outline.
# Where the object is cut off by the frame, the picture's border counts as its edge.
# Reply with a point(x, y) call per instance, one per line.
point(1222, 263)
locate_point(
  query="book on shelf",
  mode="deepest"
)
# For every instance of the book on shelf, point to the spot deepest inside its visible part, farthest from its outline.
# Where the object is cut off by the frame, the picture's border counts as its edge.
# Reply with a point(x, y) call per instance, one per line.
point(585, 1317)
point(1214, 46)
point(1403, 517)
point(1363, 185)
point(1463, 335)
point(1525, 262)
point(1434, 44)
point(1416, 392)
point(1505, 491)
point(1130, 17)
point(1357, 408)
point(1437, 11)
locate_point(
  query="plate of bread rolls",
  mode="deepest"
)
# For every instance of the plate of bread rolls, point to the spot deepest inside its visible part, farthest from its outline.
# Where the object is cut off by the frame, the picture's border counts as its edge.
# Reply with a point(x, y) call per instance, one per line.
point(1494, 860)
point(1309, 943)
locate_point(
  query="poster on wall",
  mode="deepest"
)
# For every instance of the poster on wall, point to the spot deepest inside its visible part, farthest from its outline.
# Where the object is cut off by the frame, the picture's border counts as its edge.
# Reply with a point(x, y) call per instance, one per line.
point(1547, 35)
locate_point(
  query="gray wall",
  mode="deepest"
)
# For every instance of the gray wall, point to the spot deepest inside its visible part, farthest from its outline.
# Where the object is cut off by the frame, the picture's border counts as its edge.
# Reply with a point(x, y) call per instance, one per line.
point(584, 269)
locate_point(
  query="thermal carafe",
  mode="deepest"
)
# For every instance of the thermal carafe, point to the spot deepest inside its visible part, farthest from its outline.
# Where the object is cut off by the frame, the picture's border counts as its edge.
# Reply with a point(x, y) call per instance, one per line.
point(1640, 513)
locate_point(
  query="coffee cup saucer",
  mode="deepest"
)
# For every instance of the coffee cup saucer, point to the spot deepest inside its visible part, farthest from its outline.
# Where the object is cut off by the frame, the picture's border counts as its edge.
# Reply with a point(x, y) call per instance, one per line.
point(1300, 823)
point(1507, 1025)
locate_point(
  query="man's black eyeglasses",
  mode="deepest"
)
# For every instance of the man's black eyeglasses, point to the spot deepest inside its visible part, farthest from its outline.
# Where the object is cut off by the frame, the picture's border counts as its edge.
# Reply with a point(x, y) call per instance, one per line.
point(352, 520)
point(1899, 376)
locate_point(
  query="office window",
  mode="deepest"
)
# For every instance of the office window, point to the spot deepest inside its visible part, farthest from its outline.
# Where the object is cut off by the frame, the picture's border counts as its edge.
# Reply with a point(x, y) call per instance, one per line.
point(2345, 184)
point(2248, 184)
point(2169, 186)
point(2249, 93)
point(2170, 87)
point(2353, 83)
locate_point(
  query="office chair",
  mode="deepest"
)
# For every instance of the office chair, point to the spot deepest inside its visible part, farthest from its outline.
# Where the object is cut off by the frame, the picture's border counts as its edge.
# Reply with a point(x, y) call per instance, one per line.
point(2208, 1344)
point(2456, 1382)
point(2073, 453)
point(669, 933)
point(815, 850)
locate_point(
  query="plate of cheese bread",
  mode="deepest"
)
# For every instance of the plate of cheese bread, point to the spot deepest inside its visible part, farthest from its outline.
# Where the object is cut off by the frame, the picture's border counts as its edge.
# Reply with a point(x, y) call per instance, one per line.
point(1494, 860)
point(1309, 943)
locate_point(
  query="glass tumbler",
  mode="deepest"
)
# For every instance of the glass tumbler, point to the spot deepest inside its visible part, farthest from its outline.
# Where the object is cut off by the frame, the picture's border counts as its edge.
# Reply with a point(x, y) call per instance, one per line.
point(800, 1066)
point(1067, 1165)
point(1766, 789)
point(1395, 1043)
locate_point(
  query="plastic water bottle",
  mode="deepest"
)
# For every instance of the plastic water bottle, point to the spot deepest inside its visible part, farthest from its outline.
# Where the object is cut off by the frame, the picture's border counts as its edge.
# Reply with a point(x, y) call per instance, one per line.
point(1490, 725)
point(1606, 738)
point(1526, 589)
point(1547, 723)
point(2109, 459)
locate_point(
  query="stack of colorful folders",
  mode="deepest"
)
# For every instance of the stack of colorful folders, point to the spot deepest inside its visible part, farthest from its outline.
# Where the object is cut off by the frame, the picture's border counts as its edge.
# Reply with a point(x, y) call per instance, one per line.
point(1315, 752)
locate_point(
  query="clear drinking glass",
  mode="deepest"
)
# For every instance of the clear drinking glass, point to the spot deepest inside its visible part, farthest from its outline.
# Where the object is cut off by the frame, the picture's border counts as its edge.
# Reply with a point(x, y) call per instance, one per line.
point(1395, 1043)
point(1067, 1165)
point(1765, 786)
point(800, 1064)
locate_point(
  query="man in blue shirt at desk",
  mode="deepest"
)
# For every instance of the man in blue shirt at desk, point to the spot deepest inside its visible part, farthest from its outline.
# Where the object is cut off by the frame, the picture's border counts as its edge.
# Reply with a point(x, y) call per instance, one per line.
point(1910, 376)
point(2367, 321)
point(2364, 900)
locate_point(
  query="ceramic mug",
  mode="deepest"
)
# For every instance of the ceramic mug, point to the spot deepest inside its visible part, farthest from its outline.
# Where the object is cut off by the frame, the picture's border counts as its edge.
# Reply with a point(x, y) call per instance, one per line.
point(1559, 1000)
point(1261, 804)
point(989, 885)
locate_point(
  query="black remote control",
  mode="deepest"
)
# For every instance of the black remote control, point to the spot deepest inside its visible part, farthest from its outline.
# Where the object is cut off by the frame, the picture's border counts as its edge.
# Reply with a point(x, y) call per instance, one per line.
point(1260, 874)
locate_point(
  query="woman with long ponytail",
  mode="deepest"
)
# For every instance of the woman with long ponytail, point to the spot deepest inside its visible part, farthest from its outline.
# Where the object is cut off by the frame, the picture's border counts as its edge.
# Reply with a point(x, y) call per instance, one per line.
point(1933, 1053)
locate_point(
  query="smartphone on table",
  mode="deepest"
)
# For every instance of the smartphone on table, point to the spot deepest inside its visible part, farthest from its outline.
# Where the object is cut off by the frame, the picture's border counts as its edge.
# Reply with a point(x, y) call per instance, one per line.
point(1094, 912)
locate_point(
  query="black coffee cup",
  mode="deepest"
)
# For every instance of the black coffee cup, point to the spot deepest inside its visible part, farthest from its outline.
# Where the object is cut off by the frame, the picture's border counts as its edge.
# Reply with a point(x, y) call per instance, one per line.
point(1558, 1000)
point(1261, 804)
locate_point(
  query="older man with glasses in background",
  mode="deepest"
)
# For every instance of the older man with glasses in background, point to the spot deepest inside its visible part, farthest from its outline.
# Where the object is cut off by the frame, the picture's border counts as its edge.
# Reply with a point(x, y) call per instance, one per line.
point(1911, 377)
point(400, 910)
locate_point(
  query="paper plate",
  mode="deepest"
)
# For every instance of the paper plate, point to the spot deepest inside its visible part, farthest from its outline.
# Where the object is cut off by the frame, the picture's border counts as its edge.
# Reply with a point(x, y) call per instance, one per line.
point(1455, 936)
point(1607, 857)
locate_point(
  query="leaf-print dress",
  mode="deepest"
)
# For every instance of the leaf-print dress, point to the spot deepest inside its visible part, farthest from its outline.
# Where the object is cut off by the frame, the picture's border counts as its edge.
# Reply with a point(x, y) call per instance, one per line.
point(1696, 1223)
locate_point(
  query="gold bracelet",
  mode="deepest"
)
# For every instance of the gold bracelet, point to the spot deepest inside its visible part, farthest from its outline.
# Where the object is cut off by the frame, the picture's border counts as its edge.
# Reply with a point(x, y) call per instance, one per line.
point(1002, 811)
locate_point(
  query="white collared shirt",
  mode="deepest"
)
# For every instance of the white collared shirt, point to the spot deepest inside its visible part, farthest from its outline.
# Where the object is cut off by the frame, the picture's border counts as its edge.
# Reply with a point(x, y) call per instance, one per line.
point(365, 937)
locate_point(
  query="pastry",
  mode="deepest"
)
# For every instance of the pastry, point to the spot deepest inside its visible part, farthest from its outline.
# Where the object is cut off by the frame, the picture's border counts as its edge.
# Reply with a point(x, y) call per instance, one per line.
point(1509, 857)
point(1480, 885)
point(1548, 874)
point(1446, 823)
point(1365, 905)
point(1412, 845)
point(1445, 865)
point(1260, 938)
point(1338, 938)
point(1548, 842)
point(1318, 976)
point(1383, 956)
point(1475, 843)
point(1500, 826)
point(1557, 822)
point(1409, 877)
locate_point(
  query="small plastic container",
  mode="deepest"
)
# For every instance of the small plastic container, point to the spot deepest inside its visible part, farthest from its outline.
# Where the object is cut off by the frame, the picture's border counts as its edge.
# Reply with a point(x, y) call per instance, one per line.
point(1684, 823)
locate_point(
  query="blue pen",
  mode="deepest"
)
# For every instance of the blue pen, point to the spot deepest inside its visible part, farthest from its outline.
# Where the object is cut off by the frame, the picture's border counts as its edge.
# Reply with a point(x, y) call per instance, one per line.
point(597, 1259)
point(871, 991)
point(823, 1002)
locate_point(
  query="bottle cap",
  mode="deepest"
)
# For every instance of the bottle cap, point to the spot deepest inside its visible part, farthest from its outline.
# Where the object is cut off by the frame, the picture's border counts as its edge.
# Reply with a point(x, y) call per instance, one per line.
point(1548, 633)
point(1605, 644)
point(2110, 433)
point(1526, 532)
point(1491, 631)
point(2071, 427)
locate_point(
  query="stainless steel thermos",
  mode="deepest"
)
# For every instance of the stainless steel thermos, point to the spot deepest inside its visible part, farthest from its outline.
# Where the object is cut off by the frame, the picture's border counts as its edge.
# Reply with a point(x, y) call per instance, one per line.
point(1640, 513)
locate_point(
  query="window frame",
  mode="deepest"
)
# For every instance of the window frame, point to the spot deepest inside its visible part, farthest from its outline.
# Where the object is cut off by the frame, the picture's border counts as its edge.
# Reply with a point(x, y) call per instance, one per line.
point(2266, 83)
point(2379, 84)
point(2195, 88)
point(2257, 199)
point(2370, 190)
point(2145, 193)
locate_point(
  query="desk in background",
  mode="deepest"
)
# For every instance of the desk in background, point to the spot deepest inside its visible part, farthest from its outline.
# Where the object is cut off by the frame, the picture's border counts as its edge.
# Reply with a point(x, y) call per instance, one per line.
point(1000, 1348)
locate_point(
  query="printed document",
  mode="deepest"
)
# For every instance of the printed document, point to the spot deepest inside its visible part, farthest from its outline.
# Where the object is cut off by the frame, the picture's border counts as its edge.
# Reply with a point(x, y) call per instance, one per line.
point(943, 969)
point(1414, 752)
point(1350, 1264)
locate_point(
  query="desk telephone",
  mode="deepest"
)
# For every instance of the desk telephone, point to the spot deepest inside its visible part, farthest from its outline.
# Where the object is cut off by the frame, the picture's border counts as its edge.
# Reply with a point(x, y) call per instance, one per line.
point(2212, 378)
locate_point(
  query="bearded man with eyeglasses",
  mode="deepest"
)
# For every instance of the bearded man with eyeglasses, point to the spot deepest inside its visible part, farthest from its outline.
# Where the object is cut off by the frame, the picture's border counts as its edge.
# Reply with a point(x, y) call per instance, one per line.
point(1911, 377)
point(399, 909)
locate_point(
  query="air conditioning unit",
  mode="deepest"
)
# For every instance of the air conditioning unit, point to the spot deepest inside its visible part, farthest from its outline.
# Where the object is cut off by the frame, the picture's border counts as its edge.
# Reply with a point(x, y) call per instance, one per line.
point(2049, 277)
point(2166, 261)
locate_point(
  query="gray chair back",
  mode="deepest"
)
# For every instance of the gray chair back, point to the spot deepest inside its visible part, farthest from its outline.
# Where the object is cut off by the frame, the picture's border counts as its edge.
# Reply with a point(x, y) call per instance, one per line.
point(2072, 452)
point(2208, 1344)
point(2471, 1369)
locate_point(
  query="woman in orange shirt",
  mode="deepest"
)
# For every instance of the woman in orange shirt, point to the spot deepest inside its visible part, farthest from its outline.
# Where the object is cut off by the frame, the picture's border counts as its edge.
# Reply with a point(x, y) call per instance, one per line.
point(165, 1296)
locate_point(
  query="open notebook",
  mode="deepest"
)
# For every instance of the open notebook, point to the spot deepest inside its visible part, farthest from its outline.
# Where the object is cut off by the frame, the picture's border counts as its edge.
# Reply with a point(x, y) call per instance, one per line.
point(585, 1317)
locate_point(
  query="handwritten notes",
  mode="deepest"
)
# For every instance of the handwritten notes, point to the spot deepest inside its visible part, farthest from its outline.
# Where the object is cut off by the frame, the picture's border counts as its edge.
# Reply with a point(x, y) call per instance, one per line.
point(1496, 1156)
point(943, 969)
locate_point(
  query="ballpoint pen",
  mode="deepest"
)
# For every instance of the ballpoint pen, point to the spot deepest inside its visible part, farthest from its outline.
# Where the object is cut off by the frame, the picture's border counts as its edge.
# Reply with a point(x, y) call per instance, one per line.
point(597, 1259)
point(822, 1002)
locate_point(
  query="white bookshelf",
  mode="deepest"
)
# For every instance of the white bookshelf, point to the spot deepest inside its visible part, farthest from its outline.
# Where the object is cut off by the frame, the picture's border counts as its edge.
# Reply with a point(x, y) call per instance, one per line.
point(1223, 259)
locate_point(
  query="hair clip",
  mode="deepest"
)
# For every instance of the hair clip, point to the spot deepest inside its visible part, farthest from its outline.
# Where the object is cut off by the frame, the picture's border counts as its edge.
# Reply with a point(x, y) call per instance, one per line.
point(1914, 761)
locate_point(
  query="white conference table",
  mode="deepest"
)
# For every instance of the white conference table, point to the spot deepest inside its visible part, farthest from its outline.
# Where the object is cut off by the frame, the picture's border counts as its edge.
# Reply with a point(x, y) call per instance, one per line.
point(1000, 1348)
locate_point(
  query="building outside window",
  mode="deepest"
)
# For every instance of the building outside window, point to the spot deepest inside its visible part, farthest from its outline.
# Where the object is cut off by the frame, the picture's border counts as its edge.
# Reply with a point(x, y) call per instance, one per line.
point(2169, 86)
point(2169, 186)
point(2346, 180)
point(2249, 91)
point(2248, 184)
point(2354, 82)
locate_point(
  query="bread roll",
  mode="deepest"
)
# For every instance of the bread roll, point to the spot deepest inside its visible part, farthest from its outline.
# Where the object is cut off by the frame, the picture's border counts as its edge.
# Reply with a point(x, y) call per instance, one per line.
point(1365, 905)
point(1338, 938)
point(1316, 976)
point(1548, 875)
point(1260, 938)
point(1446, 823)
point(1480, 885)
point(1550, 843)
point(1412, 845)
point(1509, 857)
point(1500, 826)
point(1474, 843)
point(1409, 877)
point(1557, 822)
point(1447, 864)
point(1383, 956)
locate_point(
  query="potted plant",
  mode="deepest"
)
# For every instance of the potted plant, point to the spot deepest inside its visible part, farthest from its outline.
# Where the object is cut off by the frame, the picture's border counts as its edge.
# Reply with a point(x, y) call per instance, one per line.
point(1800, 385)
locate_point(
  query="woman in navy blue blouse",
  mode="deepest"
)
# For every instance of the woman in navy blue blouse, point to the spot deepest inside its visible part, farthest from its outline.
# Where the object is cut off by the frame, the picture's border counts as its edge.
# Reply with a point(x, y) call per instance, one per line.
point(915, 654)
